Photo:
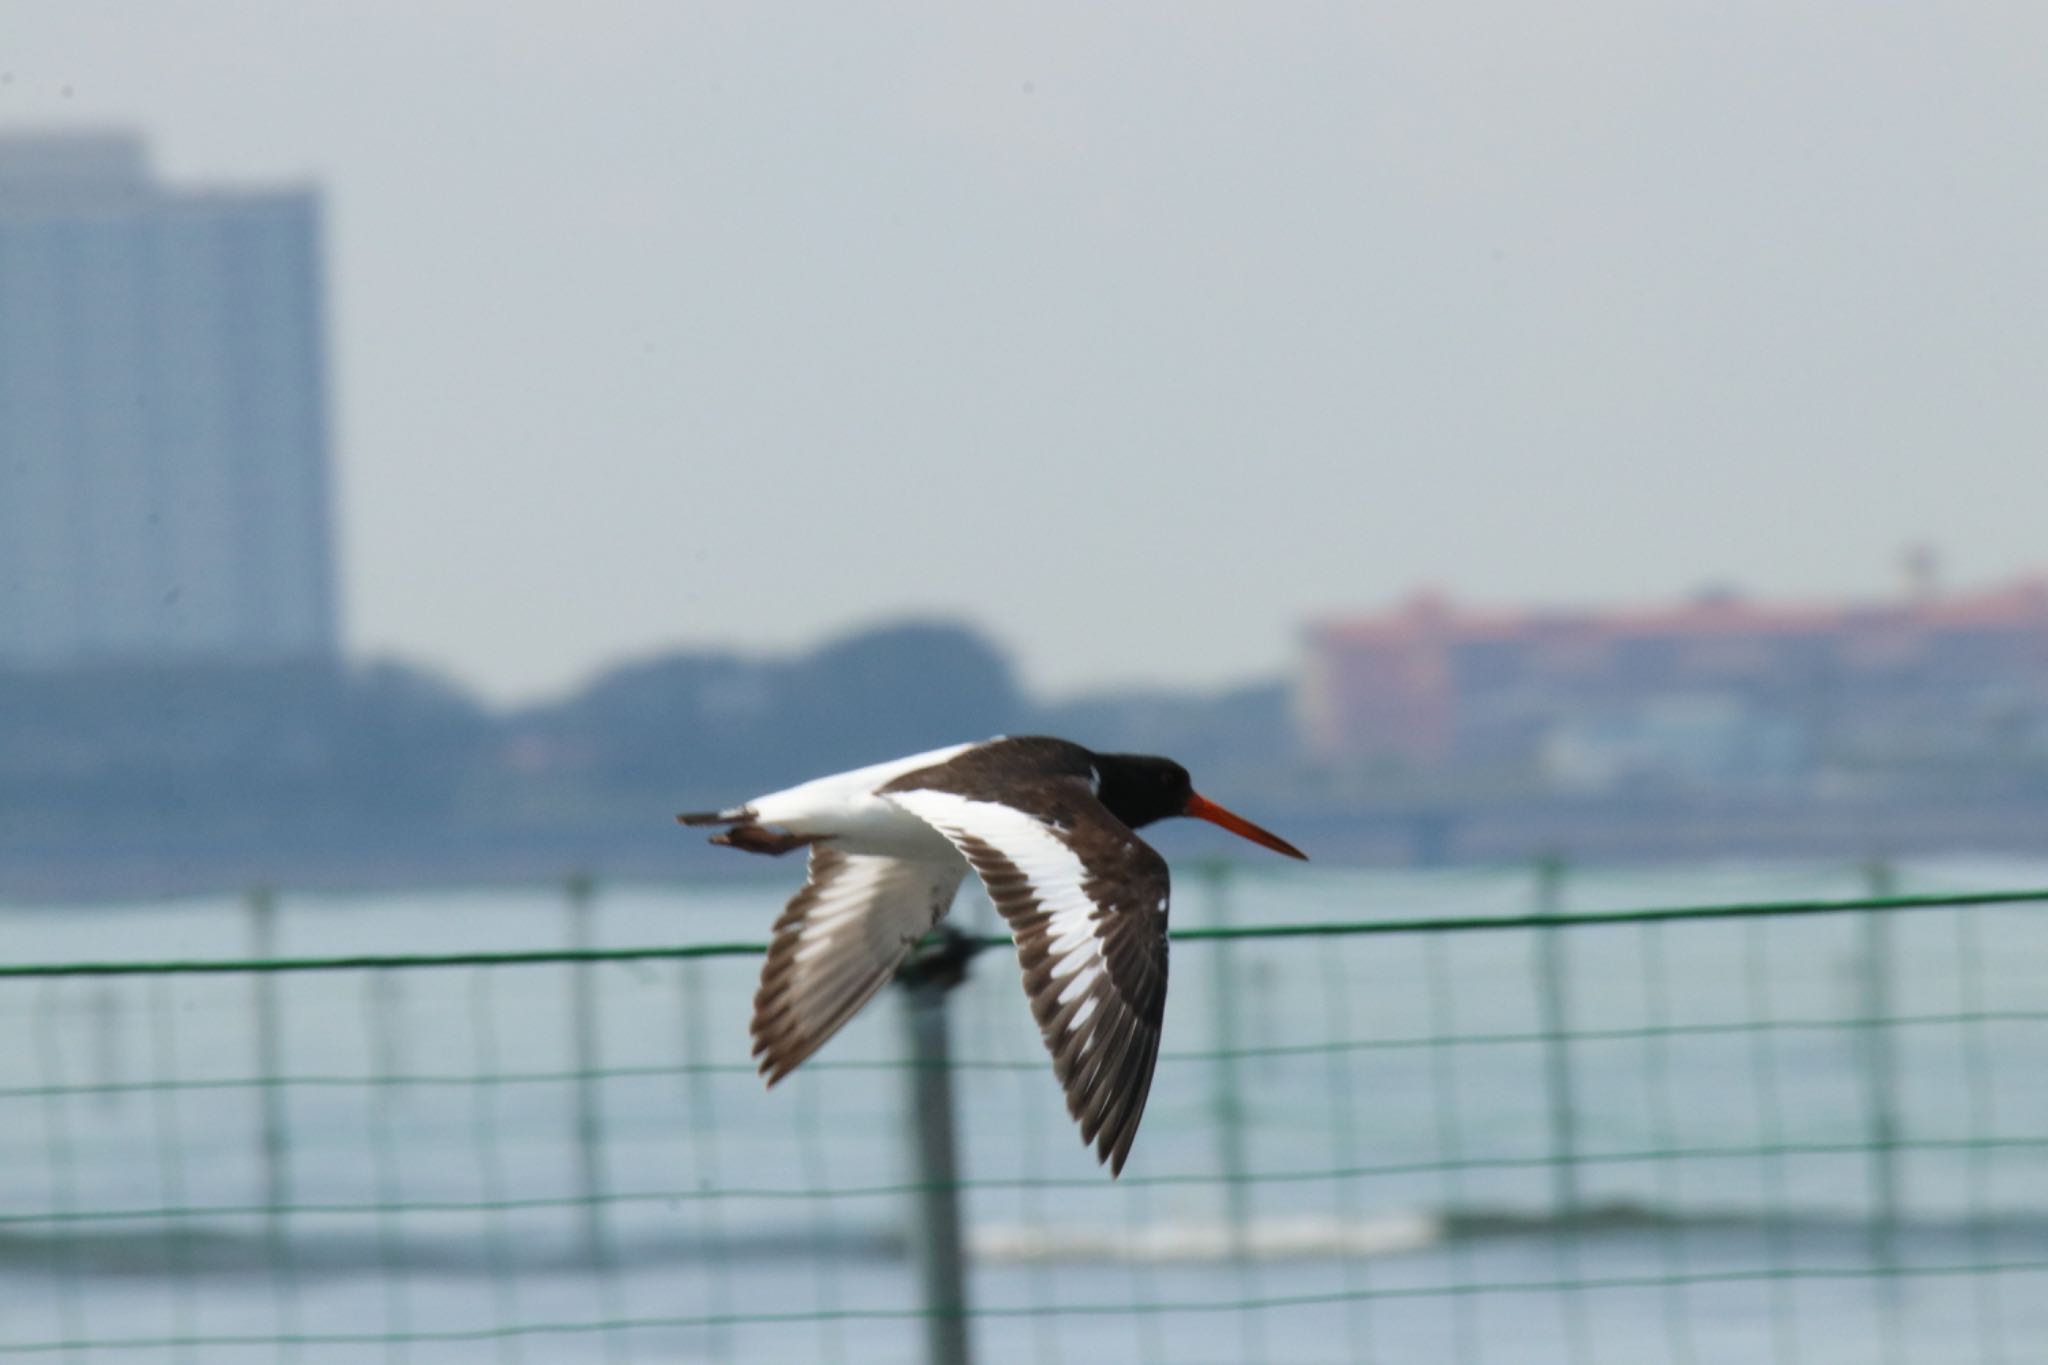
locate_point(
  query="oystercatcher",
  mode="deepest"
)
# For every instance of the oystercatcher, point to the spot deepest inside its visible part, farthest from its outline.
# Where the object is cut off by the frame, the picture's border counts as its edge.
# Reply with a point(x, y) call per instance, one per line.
point(1047, 826)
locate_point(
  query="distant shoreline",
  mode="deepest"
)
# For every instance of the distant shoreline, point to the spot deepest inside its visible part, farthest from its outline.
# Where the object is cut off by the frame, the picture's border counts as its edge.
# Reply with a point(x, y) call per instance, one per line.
point(1609, 830)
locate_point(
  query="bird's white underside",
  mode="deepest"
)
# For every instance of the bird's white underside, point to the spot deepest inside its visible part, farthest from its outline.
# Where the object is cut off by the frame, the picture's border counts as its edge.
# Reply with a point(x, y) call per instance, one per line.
point(846, 807)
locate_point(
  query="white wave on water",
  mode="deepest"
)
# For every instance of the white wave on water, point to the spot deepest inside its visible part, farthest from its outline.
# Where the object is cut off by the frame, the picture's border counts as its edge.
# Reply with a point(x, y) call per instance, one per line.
point(1300, 1237)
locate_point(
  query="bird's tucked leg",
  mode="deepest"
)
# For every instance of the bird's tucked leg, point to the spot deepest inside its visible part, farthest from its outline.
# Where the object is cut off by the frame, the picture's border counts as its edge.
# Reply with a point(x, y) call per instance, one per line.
point(761, 839)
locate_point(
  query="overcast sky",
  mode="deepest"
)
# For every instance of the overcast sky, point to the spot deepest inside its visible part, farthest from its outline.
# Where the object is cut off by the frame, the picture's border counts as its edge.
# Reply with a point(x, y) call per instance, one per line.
point(1138, 333)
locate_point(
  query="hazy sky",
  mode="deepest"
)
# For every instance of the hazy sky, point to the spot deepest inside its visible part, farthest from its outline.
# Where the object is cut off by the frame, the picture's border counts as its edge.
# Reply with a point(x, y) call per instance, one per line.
point(1137, 332)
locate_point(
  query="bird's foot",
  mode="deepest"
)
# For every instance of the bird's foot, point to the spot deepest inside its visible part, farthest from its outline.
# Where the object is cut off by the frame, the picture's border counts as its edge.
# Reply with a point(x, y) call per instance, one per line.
point(761, 839)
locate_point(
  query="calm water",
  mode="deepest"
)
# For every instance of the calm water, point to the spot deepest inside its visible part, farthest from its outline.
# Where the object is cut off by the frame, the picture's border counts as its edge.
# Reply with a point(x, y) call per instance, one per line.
point(1336, 1168)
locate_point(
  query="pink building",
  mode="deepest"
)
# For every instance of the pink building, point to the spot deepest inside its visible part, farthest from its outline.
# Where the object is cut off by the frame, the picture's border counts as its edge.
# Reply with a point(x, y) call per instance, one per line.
point(1720, 682)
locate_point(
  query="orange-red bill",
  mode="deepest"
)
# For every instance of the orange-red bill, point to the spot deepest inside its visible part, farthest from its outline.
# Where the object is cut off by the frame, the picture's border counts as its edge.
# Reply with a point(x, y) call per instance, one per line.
point(1202, 808)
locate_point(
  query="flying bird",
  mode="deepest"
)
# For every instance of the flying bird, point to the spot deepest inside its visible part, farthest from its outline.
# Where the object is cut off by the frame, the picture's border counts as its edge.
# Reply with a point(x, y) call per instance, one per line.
point(1047, 826)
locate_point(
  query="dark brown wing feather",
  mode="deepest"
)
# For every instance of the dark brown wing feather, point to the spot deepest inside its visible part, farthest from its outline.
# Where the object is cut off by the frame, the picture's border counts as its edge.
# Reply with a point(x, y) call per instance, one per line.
point(1104, 1038)
point(1086, 900)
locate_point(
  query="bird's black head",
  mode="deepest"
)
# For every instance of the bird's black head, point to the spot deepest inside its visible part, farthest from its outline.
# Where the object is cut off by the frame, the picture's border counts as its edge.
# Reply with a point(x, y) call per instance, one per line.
point(1139, 788)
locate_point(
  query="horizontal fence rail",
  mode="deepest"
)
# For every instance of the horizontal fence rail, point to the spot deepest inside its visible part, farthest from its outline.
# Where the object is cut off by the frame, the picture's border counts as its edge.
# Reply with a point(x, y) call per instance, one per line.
point(1340, 929)
point(1793, 1130)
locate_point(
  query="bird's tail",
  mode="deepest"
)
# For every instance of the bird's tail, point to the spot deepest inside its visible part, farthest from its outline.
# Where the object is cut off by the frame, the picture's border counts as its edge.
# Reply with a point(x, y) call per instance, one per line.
point(715, 817)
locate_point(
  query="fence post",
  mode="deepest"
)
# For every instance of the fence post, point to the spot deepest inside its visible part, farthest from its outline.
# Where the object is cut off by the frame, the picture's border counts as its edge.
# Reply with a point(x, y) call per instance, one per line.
point(934, 969)
point(106, 1033)
point(1878, 1066)
point(580, 889)
point(1551, 988)
point(1228, 1097)
point(262, 906)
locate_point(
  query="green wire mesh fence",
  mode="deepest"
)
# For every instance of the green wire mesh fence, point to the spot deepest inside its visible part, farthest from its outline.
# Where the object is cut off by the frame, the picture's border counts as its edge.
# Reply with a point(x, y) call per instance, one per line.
point(1795, 1132)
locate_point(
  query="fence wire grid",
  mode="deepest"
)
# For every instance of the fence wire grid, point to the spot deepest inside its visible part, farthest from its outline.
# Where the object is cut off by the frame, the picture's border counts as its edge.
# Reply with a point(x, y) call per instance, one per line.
point(1793, 1132)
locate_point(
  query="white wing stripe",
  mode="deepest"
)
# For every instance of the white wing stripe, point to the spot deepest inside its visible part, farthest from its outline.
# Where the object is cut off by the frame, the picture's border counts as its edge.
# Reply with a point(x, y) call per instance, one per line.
point(1073, 937)
point(1073, 962)
point(1082, 983)
point(1101, 1027)
point(1055, 872)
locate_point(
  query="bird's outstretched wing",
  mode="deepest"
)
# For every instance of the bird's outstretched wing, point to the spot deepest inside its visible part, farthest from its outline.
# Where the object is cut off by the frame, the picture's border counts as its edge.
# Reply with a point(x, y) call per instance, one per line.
point(1086, 900)
point(838, 942)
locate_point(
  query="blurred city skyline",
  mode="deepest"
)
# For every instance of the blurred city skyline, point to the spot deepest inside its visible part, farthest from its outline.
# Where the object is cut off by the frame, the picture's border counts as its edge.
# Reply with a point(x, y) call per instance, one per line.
point(1137, 339)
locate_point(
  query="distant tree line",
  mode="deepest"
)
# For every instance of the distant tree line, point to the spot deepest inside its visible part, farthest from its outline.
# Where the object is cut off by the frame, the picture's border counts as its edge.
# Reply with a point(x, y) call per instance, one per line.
point(152, 779)
point(193, 757)
point(712, 724)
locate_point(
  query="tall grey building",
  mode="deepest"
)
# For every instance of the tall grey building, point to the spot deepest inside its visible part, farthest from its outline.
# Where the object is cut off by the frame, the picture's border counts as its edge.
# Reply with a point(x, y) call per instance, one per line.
point(163, 443)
